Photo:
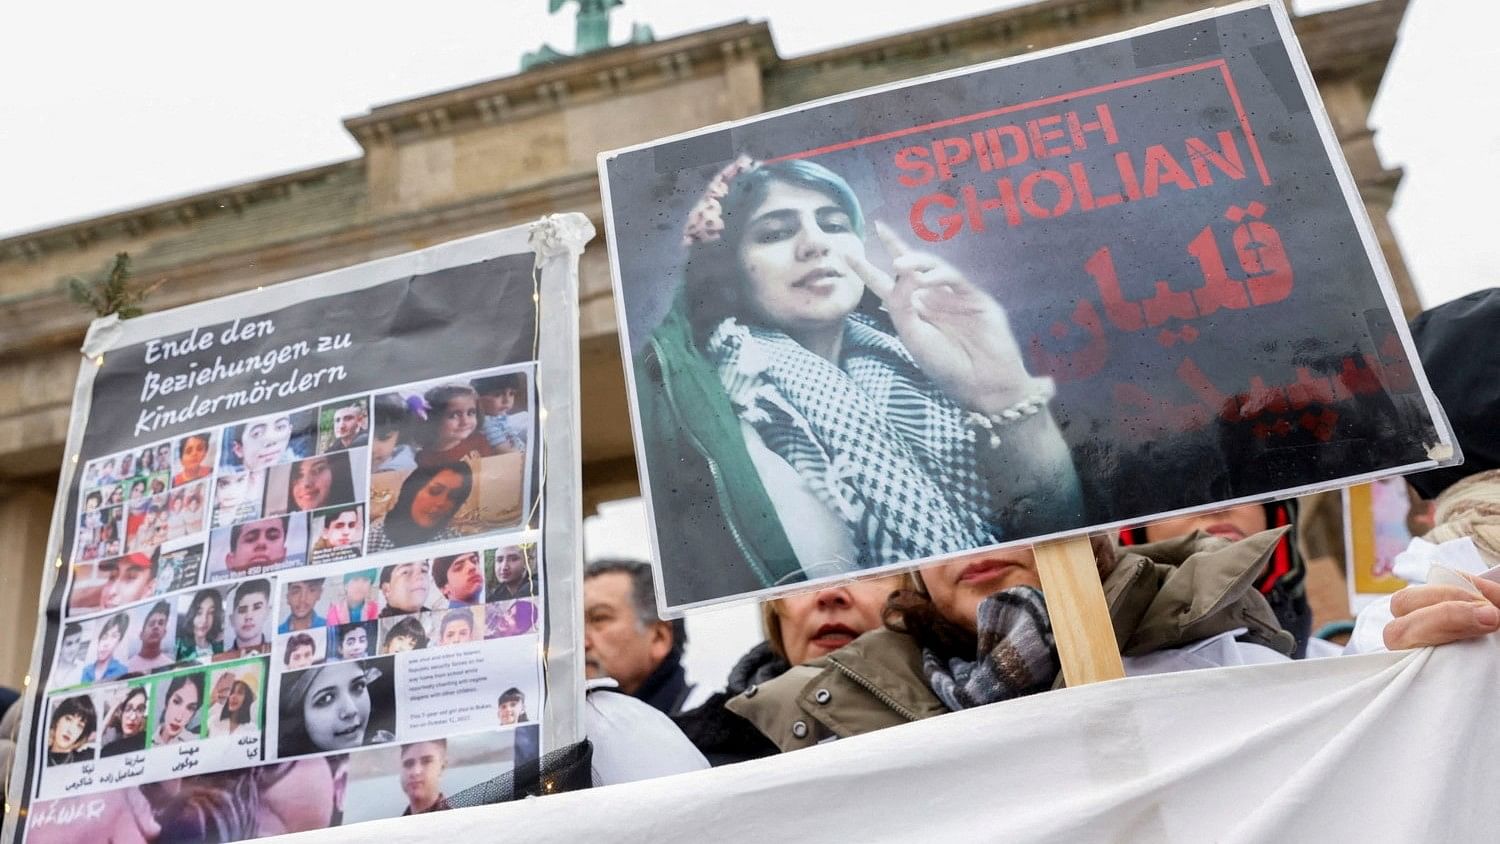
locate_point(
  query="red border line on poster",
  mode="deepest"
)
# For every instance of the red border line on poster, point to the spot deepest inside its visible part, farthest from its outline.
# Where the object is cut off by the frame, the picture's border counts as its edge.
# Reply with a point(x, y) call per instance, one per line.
point(1221, 64)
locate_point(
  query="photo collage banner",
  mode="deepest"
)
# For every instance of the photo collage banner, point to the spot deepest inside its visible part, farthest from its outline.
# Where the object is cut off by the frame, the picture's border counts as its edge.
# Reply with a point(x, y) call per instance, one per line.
point(302, 554)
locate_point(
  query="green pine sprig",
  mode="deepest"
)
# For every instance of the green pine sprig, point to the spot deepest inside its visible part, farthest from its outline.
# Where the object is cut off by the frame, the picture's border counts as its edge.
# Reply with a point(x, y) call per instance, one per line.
point(112, 295)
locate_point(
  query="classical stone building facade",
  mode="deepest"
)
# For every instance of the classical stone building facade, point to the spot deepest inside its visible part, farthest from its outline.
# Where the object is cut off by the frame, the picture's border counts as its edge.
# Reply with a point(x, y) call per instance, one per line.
point(504, 152)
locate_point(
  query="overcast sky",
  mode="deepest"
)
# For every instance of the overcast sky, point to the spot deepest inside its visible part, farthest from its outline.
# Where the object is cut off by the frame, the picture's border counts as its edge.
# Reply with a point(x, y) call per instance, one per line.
point(106, 106)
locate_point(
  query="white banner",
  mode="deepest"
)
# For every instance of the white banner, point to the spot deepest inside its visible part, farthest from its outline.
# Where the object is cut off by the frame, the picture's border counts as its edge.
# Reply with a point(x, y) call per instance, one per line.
point(1384, 747)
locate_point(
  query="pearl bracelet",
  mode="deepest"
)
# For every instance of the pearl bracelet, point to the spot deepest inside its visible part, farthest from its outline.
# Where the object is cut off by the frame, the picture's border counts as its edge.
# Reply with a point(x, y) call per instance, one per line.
point(1027, 407)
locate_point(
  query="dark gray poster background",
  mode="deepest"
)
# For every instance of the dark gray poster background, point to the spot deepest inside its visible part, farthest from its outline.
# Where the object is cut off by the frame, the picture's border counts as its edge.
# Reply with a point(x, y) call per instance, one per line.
point(453, 320)
point(464, 318)
point(1335, 312)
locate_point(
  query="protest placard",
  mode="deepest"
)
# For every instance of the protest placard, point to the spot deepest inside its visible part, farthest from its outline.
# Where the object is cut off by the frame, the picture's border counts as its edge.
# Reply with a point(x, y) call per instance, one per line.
point(1380, 519)
point(1059, 293)
point(302, 541)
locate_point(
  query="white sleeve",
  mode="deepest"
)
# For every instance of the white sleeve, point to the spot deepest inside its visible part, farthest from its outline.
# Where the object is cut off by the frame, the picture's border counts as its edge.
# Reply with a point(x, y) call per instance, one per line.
point(632, 740)
point(1214, 652)
point(1369, 628)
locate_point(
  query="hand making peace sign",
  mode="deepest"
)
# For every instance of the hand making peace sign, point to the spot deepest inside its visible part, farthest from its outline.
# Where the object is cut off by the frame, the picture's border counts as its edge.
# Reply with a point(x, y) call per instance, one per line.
point(957, 333)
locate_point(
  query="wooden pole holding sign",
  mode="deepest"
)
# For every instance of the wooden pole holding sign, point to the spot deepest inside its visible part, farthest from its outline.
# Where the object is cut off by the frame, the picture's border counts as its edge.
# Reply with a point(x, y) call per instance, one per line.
point(1085, 635)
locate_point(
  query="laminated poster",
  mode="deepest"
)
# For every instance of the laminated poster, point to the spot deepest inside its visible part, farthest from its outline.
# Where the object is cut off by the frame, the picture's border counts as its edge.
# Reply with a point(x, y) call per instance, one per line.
point(304, 553)
point(1061, 293)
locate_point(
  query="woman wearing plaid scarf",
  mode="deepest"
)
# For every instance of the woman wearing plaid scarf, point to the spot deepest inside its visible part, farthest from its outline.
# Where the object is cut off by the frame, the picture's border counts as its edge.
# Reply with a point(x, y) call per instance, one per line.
point(821, 414)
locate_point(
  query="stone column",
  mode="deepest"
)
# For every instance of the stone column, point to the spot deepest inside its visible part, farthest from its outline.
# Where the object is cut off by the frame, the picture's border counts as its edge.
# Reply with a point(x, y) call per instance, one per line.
point(25, 518)
point(1348, 100)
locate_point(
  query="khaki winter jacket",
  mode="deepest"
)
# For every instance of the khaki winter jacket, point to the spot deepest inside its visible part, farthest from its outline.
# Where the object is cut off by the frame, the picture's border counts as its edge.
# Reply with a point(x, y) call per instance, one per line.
point(1161, 595)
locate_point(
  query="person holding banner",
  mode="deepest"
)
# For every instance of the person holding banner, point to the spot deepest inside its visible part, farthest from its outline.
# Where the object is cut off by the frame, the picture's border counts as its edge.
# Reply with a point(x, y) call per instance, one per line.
point(1456, 343)
point(975, 631)
point(798, 629)
point(833, 415)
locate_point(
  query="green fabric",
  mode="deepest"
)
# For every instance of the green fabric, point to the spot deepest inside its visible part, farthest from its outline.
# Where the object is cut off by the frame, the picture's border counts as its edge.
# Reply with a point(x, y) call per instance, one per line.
point(688, 422)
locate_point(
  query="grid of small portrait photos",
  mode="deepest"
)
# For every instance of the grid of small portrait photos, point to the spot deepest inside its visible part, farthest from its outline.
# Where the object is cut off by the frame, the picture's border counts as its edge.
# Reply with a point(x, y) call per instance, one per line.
point(299, 584)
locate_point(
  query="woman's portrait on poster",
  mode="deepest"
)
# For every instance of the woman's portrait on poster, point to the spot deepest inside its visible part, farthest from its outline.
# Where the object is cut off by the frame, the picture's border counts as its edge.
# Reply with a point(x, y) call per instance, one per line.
point(72, 730)
point(200, 630)
point(339, 706)
point(237, 714)
point(844, 411)
point(180, 699)
point(320, 481)
point(429, 499)
point(125, 725)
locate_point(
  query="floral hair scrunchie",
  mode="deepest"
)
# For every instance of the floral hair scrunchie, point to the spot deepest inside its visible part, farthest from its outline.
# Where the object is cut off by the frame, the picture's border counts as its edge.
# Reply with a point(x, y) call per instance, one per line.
point(706, 221)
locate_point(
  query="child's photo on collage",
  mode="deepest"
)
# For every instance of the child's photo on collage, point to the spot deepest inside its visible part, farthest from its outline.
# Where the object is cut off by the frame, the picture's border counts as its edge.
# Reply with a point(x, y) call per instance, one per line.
point(448, 459)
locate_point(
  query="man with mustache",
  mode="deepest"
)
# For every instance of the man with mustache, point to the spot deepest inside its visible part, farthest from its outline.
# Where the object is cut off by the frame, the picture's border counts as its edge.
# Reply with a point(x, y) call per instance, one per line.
point(349, 424)
point(513, 573)
point(626, 641)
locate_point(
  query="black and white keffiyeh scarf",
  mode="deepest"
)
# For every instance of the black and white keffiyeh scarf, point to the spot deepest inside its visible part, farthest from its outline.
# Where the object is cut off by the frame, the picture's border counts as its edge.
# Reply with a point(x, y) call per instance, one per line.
point(875, 440)
point(1017, 654)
